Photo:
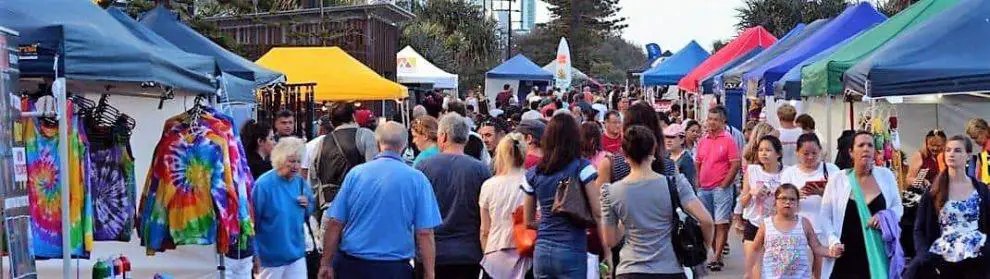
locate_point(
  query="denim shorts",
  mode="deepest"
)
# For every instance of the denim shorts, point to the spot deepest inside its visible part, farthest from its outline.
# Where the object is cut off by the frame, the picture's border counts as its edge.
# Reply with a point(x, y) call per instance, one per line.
point(551, 260)
point(719, 202)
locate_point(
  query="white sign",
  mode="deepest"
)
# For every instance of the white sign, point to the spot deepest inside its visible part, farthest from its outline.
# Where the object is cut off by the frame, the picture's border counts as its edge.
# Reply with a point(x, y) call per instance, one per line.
point(20, 165)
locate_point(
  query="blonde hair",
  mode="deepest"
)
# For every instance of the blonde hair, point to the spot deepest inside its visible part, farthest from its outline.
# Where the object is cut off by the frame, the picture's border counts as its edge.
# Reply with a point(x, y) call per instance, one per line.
point(753, 144)
point(786, 113)
point(510, 153)
point(975, 126)
point(426, 125)
point(286, 147)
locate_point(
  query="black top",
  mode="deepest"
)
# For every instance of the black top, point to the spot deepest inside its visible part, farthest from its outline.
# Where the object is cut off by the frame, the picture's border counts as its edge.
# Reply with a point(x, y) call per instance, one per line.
point(853, 263)
point(257, 164)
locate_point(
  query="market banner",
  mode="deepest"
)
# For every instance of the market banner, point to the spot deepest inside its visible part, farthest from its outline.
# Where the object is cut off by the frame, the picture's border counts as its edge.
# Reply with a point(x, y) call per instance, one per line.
point(562, 77)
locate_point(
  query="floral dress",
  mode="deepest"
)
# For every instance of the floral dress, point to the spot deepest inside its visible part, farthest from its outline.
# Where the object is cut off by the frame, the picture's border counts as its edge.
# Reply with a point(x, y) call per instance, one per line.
point(961, 238)
point(785, 254)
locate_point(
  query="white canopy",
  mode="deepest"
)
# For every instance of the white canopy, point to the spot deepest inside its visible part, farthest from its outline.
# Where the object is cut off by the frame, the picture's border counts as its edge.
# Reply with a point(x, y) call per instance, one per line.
point(413, 68)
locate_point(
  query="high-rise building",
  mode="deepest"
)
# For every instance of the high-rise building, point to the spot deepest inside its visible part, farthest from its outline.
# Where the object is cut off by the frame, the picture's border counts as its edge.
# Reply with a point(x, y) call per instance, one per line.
point(528, 11)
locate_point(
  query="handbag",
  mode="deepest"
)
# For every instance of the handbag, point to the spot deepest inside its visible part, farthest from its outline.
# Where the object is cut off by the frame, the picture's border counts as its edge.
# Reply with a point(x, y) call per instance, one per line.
point(571, 202)
point(315, 256)
point(686, 237)
point(522, 236)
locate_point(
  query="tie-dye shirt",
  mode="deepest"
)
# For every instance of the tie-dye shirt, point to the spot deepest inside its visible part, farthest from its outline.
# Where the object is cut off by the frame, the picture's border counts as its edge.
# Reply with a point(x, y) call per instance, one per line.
point(198, 186)
point(45, 192)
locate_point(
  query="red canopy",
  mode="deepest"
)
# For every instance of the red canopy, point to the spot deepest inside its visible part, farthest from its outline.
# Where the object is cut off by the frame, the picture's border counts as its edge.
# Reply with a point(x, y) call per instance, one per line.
point(749, 39)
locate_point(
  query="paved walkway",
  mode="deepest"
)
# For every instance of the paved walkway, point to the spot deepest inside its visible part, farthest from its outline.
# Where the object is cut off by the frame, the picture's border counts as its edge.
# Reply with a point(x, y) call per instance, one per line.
point(733, 262)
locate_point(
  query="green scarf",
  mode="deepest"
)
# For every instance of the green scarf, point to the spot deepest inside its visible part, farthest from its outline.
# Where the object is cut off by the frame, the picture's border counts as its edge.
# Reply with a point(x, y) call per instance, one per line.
point(875, 251)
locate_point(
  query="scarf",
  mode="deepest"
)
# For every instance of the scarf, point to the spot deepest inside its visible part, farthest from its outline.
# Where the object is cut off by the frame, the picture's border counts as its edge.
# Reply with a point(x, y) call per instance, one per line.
point(875, 251)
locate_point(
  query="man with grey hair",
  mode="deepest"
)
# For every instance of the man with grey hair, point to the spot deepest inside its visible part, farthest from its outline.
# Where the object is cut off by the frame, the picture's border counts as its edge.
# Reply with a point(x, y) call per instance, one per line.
point(377, 211)
point(456, 180)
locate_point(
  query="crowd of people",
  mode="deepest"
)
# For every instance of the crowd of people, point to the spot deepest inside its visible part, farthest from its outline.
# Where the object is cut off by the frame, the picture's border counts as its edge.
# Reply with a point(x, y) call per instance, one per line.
point(556, 185)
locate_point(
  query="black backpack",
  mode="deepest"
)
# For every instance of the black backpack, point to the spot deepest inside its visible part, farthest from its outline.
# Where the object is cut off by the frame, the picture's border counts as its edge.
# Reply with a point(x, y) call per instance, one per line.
point(338, 155)
point(685, 237)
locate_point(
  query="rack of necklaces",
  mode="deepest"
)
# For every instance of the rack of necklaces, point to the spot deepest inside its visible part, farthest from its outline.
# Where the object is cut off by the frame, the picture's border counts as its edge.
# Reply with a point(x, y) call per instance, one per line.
point(881, 120)
point(199, 161)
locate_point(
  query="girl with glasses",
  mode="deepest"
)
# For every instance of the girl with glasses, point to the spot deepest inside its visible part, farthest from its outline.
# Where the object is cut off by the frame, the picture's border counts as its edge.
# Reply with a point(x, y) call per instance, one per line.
point(784, 240)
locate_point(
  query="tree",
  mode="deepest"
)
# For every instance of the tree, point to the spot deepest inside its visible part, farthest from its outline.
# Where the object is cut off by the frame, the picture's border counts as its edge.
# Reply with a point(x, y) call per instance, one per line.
point(718, 44)
point(456, 36)
point(608, 61)
point(892, 7)
point(779, 16)
point(585, 24)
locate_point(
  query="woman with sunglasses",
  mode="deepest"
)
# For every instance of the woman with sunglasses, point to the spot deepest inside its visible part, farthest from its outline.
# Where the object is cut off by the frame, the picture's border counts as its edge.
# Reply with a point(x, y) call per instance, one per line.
point(925, 164)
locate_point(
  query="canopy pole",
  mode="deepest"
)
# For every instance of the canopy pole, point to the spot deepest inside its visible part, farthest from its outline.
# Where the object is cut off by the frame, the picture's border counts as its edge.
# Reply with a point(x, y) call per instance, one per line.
point(828, 123)
point(63, 178)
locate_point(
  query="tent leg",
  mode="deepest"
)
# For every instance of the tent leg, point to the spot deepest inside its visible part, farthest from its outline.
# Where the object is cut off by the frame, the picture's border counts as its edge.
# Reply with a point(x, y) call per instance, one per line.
point(828, 122)
point(63, 152)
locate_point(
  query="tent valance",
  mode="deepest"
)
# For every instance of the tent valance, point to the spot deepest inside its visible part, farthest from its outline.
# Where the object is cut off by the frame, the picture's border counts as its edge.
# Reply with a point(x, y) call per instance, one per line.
point(413, 68)
point(338, 76)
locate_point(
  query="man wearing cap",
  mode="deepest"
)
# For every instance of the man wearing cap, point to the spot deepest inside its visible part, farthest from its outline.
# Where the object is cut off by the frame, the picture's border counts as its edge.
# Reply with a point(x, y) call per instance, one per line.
point(532, 131)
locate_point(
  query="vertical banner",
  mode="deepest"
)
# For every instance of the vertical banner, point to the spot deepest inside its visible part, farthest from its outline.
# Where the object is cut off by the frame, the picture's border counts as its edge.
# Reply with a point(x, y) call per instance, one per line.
point(652, 51)
point(562, 75)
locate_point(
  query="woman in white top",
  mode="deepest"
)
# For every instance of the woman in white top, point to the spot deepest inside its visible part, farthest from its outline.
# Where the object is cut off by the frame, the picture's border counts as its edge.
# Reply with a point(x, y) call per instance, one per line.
point(810, 175)
point(759, 184)
point(849, 195)
point(500, 197)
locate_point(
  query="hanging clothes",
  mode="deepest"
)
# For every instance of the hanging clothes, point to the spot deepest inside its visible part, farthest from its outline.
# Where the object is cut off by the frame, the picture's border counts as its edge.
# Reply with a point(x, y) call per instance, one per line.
point(198, 186)
point(113, 188)
point(45, 192)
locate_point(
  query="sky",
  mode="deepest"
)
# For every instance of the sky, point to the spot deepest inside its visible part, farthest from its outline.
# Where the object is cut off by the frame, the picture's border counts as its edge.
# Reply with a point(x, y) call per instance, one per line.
point(672, 24)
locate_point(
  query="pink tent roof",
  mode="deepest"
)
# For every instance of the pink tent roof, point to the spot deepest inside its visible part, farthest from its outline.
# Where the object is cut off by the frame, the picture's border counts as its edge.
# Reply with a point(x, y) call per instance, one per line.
point(749, 39)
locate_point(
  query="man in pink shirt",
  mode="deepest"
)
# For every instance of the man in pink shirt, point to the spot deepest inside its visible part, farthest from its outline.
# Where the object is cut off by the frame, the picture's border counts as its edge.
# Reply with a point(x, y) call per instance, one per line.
point(717, 163)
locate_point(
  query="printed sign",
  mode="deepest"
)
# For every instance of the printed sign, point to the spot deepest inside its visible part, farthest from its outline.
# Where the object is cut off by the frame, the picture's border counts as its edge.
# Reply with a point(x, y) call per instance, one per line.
point(20, 165)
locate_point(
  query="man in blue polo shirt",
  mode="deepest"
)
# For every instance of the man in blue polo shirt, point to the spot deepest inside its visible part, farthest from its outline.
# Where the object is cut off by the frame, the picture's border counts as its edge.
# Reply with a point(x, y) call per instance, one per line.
point(388, 209)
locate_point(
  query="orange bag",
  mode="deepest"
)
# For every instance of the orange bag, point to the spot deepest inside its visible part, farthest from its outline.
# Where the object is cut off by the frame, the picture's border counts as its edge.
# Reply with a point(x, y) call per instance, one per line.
point(525, 238)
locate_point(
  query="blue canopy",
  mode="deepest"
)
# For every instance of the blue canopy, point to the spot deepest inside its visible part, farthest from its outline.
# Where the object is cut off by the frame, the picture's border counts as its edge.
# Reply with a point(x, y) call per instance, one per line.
point(708, 84)
point(519, 67)
point(167, 25)
point(789, 86)
point(670, 71)
point(92, 46)
point(853, 20)
point(733, 77)
point(946, 54)
point(195, 62)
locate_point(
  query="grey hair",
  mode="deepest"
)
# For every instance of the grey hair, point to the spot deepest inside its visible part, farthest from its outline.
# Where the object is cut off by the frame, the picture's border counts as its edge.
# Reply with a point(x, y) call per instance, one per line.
point(287, 146)
point(455, 127)
point(418, 110)
point(392, 135)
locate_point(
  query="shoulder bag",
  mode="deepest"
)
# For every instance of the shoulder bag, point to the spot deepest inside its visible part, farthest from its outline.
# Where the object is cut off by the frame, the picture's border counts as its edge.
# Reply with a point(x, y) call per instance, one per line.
point(685, 237)
point(571, 202)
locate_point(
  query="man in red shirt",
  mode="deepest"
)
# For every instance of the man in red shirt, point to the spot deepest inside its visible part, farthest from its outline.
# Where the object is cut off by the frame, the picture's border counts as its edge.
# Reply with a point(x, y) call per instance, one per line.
point(718, 162)
point(504, 98)
point(532, 131)
point(612, 139)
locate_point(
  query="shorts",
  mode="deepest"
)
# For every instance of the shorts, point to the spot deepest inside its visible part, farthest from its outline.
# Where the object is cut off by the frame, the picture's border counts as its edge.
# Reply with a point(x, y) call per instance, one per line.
point(749, 233)
point(719, 202)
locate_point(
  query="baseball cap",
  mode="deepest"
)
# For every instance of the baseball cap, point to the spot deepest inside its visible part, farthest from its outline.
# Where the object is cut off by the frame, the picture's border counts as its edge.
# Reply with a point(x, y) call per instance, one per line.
point(674, 130)
point(531, 127)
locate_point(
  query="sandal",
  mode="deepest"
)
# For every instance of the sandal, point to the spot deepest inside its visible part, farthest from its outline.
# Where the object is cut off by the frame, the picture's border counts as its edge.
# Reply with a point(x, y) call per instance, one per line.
point(725, 250)
point(715, 266)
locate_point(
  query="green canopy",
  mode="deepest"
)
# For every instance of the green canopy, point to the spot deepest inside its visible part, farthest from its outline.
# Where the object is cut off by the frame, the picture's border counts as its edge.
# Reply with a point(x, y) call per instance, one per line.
point(825, 74)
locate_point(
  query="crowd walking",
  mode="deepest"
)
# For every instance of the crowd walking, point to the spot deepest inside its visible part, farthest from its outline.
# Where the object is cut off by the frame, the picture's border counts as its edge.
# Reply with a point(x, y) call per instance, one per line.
point(571, 191)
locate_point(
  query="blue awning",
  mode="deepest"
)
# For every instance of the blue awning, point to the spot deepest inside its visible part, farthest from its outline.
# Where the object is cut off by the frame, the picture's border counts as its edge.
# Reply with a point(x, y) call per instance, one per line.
point(708, 84)
point(946, 54)
point(733, 77)
point(92, 46)
point(789, 86)
point(671, 70)
point(167, 25)
point(520, 68)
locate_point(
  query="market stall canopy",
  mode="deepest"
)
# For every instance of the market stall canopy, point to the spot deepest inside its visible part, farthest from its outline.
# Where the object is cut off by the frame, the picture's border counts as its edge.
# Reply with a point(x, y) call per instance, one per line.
point(789, 86)
point(708, 84)
point(749, 39)
point(167, 24)
point(91, 46)
point(852, 21)
point(195, 62)
point(825, 75)
point(519, 68)
point(946, 54)
point(733, 77)
point(675, 67)
point(577, 75)
point(413, 68)
point(338, 76)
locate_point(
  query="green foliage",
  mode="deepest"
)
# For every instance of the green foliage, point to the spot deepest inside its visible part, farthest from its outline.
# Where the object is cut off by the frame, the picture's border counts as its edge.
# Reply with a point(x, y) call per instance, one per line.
point(455, 36)
point(892, 7)
point(779, 16)
point(719, 44)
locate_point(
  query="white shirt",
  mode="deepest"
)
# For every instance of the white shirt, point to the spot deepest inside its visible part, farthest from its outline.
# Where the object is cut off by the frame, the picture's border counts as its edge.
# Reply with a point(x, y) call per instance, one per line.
point(501, 195)
point(837, 194)
point(312, 148)
point(760, 206)
point(810, 206)
point(788, 139)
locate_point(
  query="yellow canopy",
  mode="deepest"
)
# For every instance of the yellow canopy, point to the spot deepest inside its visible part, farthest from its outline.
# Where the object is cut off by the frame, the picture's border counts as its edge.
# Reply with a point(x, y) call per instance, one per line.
point(338, 76)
